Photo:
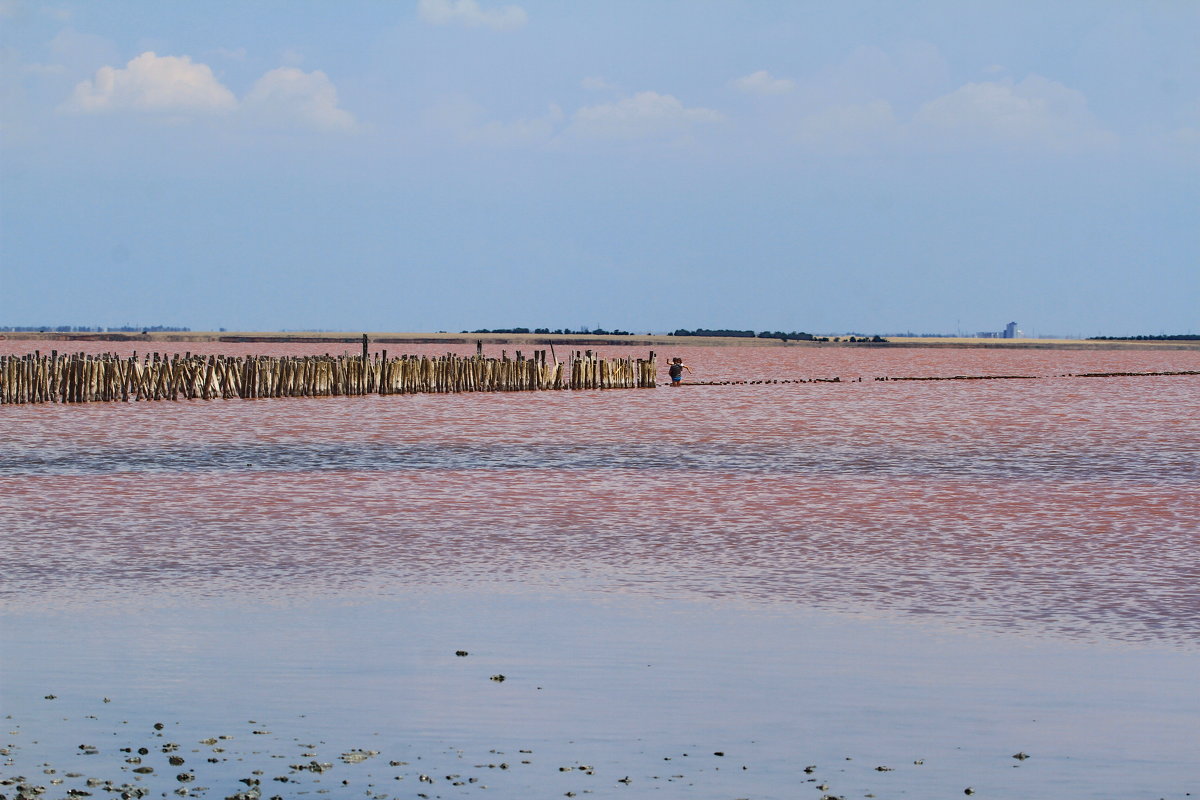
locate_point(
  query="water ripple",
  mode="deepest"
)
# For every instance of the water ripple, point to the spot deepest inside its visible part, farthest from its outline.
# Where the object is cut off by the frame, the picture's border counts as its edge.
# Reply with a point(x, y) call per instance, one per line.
point(1044, 506)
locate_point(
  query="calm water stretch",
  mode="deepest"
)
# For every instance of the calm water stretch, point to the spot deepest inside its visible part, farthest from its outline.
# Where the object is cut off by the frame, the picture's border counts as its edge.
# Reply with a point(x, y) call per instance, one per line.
point(929, 577)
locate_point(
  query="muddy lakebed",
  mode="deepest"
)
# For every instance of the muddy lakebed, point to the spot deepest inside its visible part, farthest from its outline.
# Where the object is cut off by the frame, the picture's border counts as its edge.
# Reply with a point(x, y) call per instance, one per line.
point(853, 589)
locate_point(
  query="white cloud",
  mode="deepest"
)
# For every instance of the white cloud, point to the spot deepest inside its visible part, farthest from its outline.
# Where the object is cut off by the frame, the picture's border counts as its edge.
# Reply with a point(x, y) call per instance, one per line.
point(469, 13)
point(179, 87)
point(1036, 112)
point(291, 96)
point(761, 82)
point(643, 115)
point(152, 83)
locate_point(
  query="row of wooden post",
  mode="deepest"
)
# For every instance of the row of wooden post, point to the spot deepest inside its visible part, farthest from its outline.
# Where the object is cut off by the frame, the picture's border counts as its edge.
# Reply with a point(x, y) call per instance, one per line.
point(82, 378)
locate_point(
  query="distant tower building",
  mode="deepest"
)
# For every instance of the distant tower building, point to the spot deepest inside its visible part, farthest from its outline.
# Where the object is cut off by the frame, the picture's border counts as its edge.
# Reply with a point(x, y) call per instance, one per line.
point(1010, 331)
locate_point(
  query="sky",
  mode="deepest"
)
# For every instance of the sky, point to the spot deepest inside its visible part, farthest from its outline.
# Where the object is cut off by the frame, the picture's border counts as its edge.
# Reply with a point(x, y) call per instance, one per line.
point(424, 165)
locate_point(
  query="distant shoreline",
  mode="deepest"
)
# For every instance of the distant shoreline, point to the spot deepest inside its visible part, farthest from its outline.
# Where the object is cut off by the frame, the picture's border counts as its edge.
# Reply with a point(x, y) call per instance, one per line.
point(584, 340)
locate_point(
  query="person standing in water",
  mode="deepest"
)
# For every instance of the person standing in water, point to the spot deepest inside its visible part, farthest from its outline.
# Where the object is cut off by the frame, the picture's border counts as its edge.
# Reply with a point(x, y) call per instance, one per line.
point(676, 370)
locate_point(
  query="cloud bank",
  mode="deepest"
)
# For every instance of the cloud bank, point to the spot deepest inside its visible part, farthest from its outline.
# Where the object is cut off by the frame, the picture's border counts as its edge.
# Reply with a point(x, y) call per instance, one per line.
point(1036, 111)
point(842, 112)
point(290, 95)
point(875, 101)
point(645, 116)
point(642, 115)
point(177, 86)
point(1036, 114)
point(172, 84)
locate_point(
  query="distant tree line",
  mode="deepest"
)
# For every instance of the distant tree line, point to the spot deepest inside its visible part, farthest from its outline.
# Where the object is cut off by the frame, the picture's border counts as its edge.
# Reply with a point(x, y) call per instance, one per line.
point(794, 336)
point(580, 332)
point(713, 332)
point(88, 329)
point(1173, 337)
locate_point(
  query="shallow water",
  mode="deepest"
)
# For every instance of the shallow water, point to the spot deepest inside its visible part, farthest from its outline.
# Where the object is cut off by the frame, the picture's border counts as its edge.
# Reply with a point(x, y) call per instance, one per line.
point(819, 571)
point(645, 689)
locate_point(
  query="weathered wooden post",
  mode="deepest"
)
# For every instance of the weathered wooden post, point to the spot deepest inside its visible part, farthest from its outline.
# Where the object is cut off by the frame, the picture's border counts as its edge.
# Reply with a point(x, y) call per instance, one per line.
point(366, 341)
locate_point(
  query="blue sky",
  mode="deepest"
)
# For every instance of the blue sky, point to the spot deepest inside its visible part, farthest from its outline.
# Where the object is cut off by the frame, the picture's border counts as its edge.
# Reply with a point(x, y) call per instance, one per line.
point(451, 164)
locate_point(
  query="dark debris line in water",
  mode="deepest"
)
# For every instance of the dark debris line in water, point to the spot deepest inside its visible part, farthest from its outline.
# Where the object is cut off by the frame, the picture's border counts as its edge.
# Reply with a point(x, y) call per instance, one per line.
point(837, 379)
point(799, 458)
point(151, 762)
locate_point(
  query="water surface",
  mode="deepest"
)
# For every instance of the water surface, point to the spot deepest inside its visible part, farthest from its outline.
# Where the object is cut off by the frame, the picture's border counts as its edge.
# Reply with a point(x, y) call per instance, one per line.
point(885, 571)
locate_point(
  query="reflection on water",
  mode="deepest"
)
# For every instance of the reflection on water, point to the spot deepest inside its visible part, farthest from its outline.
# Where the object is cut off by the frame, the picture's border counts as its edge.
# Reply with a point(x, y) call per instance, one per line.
point(779, 459)
point(685, 699)
point(1062, 506)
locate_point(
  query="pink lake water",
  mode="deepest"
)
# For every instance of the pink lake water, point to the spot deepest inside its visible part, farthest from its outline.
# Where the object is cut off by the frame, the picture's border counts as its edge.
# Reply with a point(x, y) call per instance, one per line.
point(798, 574)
